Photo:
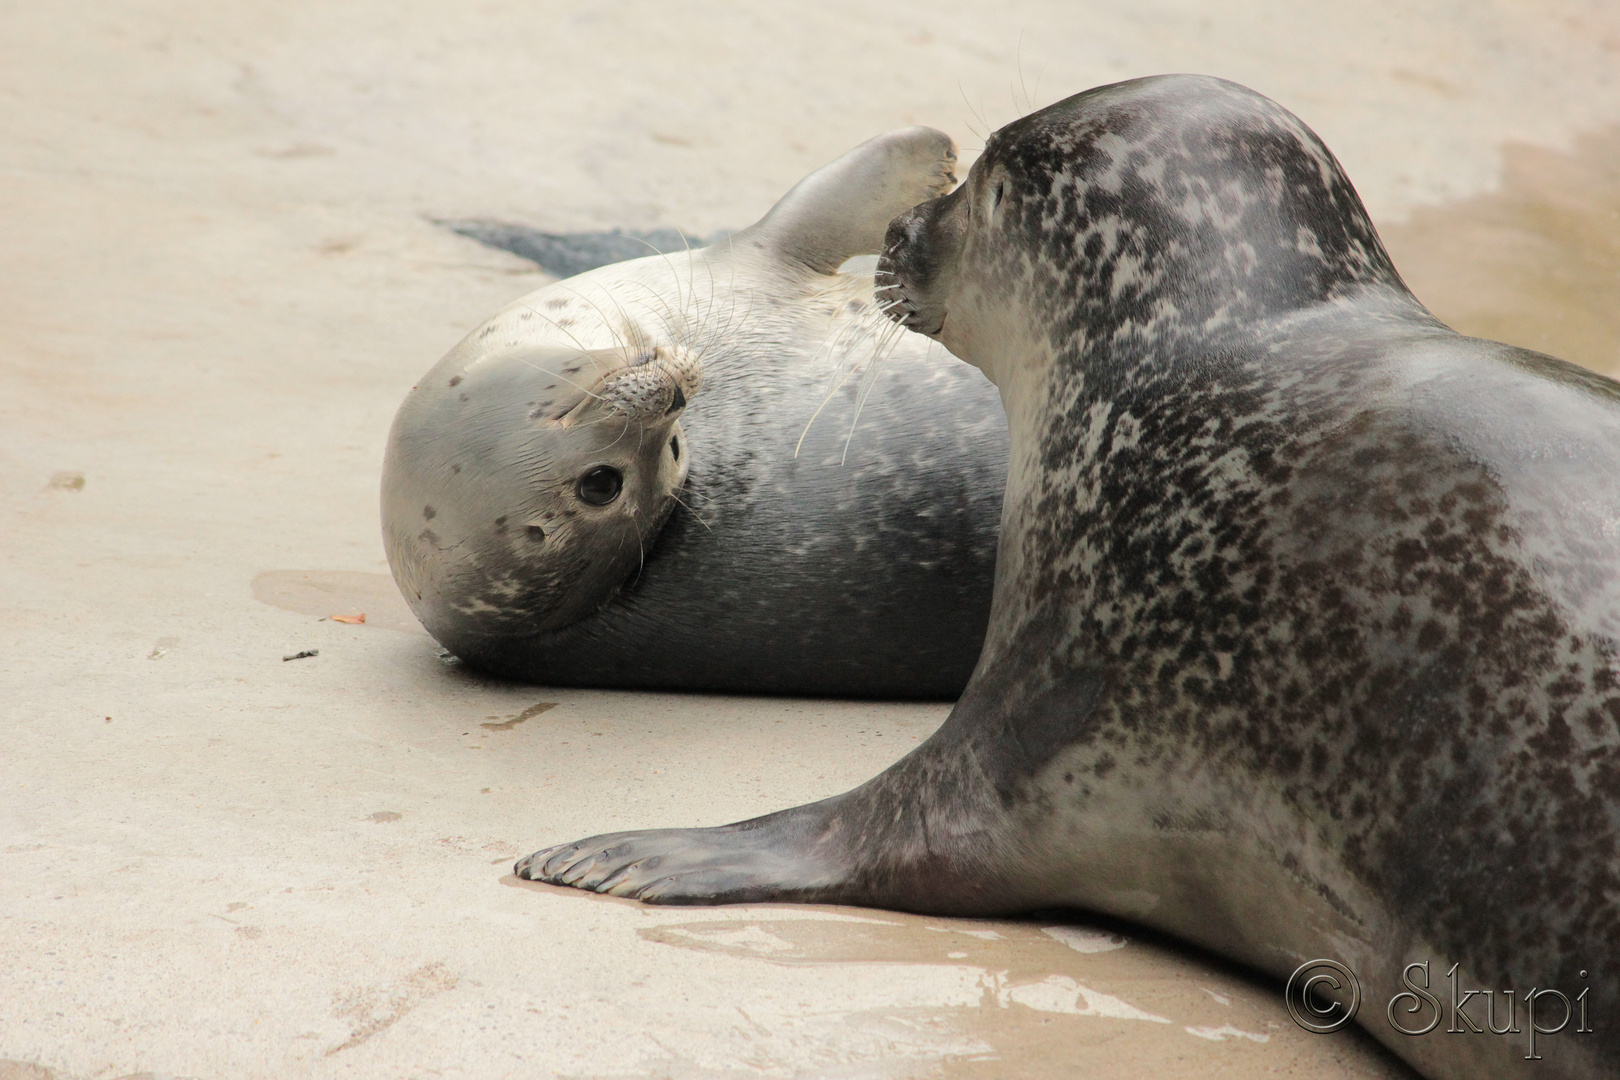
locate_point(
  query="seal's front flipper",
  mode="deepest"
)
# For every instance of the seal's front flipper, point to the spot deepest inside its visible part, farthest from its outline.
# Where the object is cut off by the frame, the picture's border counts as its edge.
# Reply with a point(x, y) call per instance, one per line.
point(929, 834)
point(767, 858)
point(843, 209)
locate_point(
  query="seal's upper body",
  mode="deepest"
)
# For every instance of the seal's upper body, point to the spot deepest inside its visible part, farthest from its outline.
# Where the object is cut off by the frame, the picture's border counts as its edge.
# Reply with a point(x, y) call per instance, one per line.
point(605, 484)
point(1306, 630)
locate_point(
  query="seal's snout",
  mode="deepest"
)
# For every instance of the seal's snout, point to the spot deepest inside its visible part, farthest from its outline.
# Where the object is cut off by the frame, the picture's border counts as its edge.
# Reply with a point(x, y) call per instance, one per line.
point(894, 276)
point(918, 252)
point(656, 386)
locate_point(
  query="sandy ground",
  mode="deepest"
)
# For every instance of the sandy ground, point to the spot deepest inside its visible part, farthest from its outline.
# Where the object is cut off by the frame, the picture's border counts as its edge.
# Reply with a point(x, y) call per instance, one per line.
point(218, 277)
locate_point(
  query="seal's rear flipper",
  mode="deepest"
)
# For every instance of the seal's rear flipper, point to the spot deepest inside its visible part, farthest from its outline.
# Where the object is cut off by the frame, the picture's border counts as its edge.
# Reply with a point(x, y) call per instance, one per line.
point(844, 208)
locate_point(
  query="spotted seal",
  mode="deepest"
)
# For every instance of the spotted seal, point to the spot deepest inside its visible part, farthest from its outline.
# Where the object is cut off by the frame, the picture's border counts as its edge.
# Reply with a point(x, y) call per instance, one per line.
point(1306, 631)
point(611, 482)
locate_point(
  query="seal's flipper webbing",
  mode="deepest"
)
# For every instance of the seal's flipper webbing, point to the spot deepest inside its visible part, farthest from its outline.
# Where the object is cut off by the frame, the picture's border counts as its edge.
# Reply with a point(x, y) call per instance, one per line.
point(843, 209)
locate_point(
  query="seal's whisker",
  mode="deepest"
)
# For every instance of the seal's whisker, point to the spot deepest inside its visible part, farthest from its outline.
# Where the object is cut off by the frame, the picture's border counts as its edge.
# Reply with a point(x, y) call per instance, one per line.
point(722, 327)
point(673, 273)
point(699, 329)
point(638, 342)
point(869, 377)
point(1029, 101)
point(633, 344)
point(641, 548)
point(569, 334)
point(976, 113)
point(691, 511)
point(671, 320)
point(842, 348)
point(742, 307)
point(702, 317)
point(628, 423)
point(691, 278)
point(808, 423)
point(871, 327)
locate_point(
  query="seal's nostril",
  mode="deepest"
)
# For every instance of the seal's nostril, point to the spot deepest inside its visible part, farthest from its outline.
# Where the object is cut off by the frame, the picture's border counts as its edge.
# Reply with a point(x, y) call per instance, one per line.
point(675, 446)
point(678, 403)
point(536, 532)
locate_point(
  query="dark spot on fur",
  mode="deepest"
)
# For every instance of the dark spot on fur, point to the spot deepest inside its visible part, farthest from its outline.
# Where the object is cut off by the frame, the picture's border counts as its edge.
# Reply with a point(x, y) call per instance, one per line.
point(455, 380)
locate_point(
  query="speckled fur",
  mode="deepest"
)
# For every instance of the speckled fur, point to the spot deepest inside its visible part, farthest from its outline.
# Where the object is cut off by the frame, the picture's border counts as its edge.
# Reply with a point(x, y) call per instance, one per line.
point(1304, 640)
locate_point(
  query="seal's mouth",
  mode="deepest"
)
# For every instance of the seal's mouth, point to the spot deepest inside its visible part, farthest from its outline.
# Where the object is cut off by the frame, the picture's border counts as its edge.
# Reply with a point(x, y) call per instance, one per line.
point(894, 296)
point(897, 297)
point(908, 274)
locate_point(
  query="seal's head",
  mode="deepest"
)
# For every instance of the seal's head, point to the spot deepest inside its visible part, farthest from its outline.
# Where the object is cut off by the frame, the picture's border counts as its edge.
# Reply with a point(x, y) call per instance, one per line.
point(1170, 209)
point(522, 487)
point(530, 471)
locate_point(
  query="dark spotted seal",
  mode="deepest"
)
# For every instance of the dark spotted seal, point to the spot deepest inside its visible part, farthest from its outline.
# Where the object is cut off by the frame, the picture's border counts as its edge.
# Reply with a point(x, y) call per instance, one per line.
point(611, 483)
point(1306, 631)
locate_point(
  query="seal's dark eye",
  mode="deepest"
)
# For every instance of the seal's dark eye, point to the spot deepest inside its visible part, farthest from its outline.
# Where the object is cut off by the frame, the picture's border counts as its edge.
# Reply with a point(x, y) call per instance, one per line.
point(600, 486)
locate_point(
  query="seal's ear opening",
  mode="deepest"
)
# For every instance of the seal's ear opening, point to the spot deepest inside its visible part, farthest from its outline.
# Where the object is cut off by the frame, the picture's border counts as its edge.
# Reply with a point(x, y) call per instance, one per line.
point(843, 209)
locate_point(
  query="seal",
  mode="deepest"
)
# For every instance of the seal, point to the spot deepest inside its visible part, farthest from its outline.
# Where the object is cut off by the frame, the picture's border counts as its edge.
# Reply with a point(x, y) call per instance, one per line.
point(611, 482)
point(1306, 631)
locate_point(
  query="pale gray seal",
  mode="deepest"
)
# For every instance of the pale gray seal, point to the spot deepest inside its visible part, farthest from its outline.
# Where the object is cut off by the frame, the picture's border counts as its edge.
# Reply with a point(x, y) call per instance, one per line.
point(1306, 631)
point(610, 483)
